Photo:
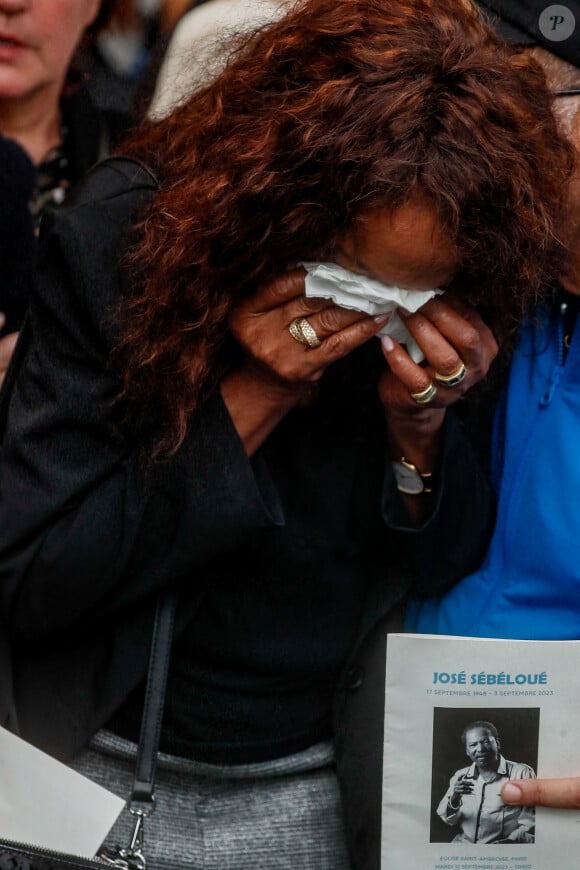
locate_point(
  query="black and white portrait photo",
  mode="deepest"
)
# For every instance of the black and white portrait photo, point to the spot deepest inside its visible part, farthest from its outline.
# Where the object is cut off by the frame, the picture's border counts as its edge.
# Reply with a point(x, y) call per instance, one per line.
point(475, 752)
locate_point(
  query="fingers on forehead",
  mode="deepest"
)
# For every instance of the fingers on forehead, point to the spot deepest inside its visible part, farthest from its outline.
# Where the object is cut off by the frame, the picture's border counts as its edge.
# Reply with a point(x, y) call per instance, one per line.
point(281, 290)
point(448, 309)
point(464, 330)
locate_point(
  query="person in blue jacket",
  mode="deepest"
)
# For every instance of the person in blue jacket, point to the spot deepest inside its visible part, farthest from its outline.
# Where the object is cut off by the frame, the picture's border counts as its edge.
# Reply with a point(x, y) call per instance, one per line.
point(529, 583)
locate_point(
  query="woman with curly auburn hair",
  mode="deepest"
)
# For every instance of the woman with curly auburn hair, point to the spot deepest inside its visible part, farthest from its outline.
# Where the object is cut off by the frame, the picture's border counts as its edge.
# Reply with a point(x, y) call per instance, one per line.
point(183, 417)
point(376, 116)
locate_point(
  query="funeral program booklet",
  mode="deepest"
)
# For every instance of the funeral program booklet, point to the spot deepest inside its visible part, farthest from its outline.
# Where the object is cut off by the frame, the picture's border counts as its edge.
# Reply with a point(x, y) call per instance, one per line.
point(462, 717)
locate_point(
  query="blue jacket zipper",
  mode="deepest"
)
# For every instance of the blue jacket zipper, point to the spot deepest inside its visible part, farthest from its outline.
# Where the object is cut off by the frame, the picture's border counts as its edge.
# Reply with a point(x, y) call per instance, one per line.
point(559, 367)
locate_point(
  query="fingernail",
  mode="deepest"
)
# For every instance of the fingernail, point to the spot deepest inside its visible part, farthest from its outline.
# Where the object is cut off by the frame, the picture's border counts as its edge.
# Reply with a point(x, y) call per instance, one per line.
point(382, 318)
point(387, 343)
point(511, 794)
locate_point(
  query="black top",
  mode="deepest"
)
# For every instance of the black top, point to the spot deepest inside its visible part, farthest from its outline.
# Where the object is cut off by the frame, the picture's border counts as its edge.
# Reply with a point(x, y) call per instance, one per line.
point(254, 676)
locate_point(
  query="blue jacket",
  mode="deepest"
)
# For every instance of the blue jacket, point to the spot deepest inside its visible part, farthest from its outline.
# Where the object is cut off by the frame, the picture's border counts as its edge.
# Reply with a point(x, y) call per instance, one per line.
point(529, 583)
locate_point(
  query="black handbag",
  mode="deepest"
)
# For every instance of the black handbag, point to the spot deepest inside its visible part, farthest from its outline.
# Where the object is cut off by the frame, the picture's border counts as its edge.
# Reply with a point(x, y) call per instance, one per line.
point(20, 856)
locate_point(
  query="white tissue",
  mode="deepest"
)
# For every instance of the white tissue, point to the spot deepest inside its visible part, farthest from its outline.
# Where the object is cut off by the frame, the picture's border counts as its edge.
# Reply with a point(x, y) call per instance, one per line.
point(358, 292)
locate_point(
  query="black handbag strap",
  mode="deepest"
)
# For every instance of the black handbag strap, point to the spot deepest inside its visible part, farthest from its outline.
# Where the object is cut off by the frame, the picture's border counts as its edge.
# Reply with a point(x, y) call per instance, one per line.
point(149, 738)
point(141, 803)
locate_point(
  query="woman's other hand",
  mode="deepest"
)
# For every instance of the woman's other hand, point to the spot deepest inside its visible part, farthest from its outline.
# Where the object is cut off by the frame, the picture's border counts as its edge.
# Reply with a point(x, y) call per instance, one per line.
point(278, 370)
point(451, 336)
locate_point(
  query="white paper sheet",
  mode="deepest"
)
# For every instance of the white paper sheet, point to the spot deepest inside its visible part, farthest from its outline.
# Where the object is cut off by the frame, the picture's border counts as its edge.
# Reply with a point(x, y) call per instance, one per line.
point(360, 293)
point(45, 803)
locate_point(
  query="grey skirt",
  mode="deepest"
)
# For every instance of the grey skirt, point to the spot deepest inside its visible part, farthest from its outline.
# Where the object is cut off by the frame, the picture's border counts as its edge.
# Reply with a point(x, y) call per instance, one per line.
point(283, 814)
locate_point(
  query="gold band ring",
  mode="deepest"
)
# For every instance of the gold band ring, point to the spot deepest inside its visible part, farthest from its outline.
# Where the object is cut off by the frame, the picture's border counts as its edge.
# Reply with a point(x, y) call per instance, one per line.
point(423, 397)
point(302, 331)
point(455, 378)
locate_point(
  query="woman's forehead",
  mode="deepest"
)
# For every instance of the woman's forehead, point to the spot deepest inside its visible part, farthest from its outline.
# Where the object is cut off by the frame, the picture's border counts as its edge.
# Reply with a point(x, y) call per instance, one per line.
point(406, 246)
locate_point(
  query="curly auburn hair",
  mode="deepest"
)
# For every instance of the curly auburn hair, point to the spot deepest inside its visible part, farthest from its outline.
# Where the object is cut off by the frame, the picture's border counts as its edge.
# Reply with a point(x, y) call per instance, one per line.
point(341, 107)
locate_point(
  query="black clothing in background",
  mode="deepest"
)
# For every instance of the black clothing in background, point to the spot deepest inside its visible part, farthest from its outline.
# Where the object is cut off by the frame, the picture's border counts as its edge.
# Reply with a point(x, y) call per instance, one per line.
point(17, 180)
point(25, 190)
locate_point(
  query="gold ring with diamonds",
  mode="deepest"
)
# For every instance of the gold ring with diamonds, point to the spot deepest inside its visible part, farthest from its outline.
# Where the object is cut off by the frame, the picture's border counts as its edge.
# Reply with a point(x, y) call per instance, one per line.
point(455, 378)
point(423, 397)
point(309, 333)
point(301, 330)
point(296, 332)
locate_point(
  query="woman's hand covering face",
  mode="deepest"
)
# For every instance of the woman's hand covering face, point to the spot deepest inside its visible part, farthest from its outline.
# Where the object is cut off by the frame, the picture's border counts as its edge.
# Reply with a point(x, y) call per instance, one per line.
point(261, 327)
point(278, 371)
point(449, 333)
